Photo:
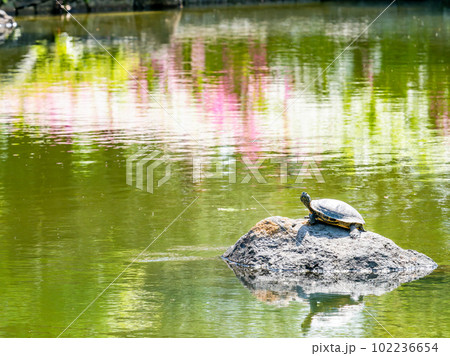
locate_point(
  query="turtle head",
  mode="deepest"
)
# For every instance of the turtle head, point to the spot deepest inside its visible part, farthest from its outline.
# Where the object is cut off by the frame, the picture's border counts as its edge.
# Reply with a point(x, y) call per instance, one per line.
point(306, 199)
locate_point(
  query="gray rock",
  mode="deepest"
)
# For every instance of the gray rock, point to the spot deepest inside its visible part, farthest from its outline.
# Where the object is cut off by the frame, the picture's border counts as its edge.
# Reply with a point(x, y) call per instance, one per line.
point(279, 244)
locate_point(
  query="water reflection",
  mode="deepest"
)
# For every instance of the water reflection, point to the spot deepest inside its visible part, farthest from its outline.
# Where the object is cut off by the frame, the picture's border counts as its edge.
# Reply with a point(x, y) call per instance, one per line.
point(328, 295)
point(229, 85)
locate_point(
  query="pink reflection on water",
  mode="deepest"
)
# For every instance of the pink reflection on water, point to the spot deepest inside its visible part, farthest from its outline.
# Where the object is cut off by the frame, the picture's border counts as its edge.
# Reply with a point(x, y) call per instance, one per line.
point(439, 111)
point(230, 105)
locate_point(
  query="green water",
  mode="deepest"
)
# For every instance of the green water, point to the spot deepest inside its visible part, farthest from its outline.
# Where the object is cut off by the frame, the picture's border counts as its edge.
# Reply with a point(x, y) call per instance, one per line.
point(238, 84)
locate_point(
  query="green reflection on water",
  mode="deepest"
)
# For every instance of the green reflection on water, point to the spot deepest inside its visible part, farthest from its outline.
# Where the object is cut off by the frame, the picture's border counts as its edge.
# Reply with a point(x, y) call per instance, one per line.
point(376, 124)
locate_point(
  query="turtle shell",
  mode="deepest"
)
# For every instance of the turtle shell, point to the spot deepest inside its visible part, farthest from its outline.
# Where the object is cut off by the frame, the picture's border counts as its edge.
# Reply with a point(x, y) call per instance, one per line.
point(338, 210)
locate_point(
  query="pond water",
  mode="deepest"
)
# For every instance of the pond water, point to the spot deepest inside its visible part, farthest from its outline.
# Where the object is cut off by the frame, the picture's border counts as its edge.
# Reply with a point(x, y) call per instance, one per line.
point(215, 92)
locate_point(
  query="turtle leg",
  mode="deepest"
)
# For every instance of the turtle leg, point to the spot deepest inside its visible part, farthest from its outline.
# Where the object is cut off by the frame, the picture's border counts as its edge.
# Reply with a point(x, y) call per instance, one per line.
point(312, 219)
point(354, 232)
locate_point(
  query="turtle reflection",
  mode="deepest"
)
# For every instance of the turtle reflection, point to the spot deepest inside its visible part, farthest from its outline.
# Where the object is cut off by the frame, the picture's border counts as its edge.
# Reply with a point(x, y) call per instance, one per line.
point(326, 303)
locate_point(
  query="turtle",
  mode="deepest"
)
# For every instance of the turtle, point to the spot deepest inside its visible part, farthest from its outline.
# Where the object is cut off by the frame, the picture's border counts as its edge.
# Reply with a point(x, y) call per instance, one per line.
point(334, 212)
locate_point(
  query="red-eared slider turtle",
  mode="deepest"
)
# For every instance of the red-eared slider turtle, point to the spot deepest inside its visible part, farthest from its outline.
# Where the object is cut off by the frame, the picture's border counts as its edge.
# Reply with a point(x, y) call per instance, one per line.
point(334, 212)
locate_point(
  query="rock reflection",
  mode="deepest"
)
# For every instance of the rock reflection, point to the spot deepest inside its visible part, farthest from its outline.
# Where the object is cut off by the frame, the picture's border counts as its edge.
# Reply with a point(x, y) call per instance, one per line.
point(326, 294)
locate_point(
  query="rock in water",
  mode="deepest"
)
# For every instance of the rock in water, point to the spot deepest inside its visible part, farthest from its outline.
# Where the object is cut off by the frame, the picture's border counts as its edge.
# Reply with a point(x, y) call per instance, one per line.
point(288, 245)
